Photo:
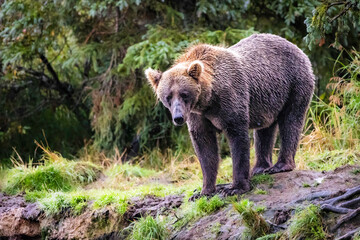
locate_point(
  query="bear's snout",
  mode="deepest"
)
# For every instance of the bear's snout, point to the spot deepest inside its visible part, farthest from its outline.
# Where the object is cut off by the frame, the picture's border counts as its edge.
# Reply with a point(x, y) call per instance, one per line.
point(177, 114)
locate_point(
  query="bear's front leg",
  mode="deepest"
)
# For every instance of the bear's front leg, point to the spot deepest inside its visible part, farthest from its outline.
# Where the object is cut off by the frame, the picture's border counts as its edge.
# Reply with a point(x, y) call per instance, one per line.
point(240, 152)
point(203, 137)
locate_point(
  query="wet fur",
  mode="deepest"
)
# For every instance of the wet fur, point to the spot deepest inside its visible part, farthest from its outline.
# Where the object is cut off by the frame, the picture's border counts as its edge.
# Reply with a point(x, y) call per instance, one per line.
point(263, 83)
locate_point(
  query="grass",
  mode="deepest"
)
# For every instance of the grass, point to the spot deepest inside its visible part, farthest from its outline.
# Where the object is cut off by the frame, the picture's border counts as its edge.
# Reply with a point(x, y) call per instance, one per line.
point(307, 224)
point(77, 200)
point(129, 171)
point(357, 236)
point(262, 179)
point(259, 191)
point(273, 236)
point(329, 159)
point(190, 211)
point(149, 228)
point(252, 219)
point(54, 174)
point(203, 205)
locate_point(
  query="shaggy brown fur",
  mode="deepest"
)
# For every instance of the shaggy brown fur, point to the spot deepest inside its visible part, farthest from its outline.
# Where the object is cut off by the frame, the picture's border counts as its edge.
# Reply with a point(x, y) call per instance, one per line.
point(263, 83)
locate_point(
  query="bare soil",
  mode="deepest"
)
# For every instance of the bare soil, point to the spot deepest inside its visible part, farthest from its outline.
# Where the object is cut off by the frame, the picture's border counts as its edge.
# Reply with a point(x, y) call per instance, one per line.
point(23, 220)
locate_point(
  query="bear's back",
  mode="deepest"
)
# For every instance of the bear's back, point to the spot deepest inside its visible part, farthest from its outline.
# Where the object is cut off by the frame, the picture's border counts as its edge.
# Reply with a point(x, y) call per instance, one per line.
point(271, 54)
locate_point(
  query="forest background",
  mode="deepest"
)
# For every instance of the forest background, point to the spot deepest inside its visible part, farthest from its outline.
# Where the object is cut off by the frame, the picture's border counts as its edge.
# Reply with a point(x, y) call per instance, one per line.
point(72, 74)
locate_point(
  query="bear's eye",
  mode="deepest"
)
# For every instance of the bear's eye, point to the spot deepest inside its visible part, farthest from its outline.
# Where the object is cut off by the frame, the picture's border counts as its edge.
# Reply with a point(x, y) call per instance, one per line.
point(184, 95)
point(168, 99)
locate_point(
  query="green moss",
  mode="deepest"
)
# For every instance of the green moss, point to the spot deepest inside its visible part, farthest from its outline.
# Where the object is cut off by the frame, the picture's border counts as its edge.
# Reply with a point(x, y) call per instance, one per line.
point(262, 179)
point(260, 191)
point(149, 229)
point(306, 185)
point(215, 228)
point(252, 219)
point(307, 224)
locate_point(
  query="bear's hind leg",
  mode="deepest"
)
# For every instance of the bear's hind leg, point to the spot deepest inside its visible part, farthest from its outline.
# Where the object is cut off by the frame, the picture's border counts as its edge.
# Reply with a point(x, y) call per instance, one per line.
point(264, 144)
point(290, 122)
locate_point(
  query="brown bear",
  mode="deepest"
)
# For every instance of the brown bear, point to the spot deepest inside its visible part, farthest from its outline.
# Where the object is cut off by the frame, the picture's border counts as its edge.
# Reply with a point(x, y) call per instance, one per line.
point(263, 82)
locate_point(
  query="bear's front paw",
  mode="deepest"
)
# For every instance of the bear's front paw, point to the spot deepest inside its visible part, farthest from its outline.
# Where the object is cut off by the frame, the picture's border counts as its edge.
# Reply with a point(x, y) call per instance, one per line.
point(258, 170)
point(227, 190)
point(279, 167)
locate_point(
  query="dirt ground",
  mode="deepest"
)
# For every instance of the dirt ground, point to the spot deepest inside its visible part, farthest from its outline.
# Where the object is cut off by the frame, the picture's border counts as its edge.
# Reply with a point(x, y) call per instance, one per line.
point(23, 220)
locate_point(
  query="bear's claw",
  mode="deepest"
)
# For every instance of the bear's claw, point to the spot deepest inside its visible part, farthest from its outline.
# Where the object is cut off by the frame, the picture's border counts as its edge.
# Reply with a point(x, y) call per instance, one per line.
point(226, 192)
point(258, 170)
point(198, 195)
point(278, 168)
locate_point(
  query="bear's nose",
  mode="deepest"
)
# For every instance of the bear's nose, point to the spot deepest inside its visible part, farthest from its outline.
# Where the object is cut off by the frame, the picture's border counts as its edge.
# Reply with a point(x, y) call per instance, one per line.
point(179, 120)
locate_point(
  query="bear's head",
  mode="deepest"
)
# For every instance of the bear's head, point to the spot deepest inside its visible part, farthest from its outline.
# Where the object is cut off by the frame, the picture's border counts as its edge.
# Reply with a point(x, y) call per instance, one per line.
point(178, 88)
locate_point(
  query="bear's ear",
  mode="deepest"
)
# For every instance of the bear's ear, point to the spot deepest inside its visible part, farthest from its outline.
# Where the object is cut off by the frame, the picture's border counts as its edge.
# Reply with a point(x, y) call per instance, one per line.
point(153, 76)
point(195, 69)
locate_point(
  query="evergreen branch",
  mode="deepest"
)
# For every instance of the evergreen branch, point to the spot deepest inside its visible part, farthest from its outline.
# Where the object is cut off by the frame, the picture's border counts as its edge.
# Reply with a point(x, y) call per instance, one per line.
point(348, 5)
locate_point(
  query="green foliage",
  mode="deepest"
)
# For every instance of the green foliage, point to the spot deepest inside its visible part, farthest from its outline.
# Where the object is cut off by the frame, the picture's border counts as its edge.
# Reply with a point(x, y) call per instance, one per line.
point(307, 224)
point(150, 229)
point(56, 173)
point(334, 21)
point(252, 219)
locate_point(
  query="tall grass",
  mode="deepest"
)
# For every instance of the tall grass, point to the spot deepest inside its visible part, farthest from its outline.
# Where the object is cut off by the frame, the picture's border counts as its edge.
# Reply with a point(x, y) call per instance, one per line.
point(332, 127)
point(53, 173)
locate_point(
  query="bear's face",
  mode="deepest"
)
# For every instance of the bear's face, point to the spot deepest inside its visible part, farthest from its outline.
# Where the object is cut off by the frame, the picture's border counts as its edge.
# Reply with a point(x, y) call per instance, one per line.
point(177, 88)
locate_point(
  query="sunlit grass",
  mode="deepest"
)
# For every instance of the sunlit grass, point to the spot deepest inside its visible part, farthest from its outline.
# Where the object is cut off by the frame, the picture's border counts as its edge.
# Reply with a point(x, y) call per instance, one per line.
point(56, 175)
